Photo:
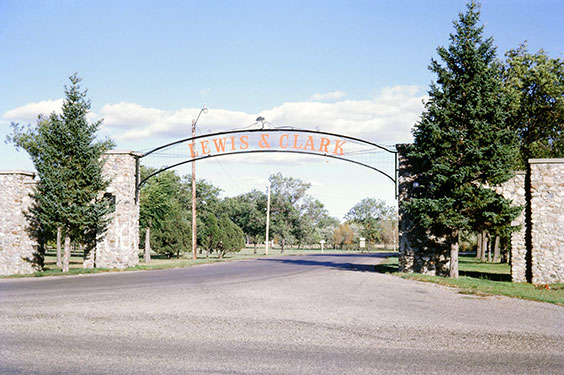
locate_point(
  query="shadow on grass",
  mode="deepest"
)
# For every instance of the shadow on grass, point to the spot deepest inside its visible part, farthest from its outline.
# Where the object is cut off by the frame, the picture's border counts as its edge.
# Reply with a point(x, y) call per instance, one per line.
point(391, 266)
point(328, 260)
point(486, 275)
point(386, 268)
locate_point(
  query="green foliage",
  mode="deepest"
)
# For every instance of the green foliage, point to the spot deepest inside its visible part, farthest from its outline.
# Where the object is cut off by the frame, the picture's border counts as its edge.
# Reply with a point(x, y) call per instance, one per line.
point(175, 237)
point(156, 198)
point(165, 207)
point(68, 160)
point(210, 233)
point(286, 195)
point(462, 142)
point(374, 216)
point(535, 84)
point(297, 218)
point(248, 211)
point(162, 209)
point(231, 237)
point(221, 236)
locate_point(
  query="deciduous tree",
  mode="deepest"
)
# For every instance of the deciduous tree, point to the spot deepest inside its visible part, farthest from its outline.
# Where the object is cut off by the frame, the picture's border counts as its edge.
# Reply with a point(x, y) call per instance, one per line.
point(535, 84)
point(372, 214)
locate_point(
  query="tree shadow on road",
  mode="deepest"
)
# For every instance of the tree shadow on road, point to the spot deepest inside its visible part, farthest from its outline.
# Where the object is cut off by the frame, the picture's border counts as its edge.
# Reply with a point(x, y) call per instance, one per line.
point(322, 260)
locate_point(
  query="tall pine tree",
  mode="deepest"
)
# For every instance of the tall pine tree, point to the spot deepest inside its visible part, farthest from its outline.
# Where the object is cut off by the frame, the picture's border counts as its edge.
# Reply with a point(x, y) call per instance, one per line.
point(68, 160)
point(462, 143)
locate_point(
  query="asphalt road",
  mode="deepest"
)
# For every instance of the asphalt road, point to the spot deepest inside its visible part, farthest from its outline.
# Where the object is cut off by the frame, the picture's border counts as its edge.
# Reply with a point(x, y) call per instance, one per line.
point(293, 315)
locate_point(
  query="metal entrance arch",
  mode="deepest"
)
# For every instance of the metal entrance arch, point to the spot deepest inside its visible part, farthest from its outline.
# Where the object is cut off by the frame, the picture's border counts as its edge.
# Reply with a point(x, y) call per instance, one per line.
point(278, 140)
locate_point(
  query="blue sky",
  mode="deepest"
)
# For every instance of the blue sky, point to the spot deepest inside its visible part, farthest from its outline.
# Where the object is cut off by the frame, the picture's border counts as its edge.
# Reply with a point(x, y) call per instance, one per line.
point(352, 67)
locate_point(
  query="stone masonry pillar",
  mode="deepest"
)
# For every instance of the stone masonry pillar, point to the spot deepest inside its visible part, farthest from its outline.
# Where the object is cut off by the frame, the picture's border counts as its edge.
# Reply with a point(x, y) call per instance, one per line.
point(419, 251)
point(119, 247)
point(17, 248)
point(547, 220)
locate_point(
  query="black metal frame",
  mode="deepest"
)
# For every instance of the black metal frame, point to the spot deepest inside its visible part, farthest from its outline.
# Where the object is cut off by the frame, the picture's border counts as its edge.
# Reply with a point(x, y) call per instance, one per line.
point(285, 129)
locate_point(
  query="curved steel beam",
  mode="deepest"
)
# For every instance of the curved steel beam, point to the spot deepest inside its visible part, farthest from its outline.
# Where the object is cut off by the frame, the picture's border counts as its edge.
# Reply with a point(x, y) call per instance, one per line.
point(258, 151)
point(265, 131)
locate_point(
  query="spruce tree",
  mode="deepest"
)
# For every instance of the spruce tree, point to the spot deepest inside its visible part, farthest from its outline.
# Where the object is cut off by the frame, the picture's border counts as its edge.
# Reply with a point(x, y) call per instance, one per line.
point(461, 143)
point(68, 160)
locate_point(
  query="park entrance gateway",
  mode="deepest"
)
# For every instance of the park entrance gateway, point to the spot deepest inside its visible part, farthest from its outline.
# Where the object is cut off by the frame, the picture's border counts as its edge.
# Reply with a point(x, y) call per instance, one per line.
point(279, 140)
point(535, 250)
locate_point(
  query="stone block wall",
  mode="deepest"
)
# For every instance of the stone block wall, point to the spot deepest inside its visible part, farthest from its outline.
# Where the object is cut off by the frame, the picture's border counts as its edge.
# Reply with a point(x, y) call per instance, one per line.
point(537, 248)
point(16, 246)
point(514, 189)
point(547, 219)
point(119, 247)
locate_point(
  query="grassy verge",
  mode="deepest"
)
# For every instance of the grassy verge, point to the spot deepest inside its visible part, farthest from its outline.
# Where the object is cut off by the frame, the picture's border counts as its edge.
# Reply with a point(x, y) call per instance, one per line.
point(159, 262)
point(483, 279)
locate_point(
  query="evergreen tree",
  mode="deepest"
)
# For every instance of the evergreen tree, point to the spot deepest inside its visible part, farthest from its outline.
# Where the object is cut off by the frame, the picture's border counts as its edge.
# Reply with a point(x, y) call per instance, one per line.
point(68, 160)
point(462, 143)
point(231, 237)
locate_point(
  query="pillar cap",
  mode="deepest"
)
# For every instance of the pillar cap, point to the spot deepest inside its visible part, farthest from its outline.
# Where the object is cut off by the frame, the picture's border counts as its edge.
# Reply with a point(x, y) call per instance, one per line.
point(25, 173)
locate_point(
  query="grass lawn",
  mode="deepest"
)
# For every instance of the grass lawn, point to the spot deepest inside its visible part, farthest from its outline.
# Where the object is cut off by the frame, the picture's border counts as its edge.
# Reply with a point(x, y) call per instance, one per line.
point(483, 279)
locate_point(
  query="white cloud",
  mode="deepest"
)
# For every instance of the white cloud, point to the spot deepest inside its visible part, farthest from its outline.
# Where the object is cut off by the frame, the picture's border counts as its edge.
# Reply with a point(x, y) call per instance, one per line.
point(253, 180)
point(387, 118)
point(205, 91)
point(30, 111)
point(331, 95)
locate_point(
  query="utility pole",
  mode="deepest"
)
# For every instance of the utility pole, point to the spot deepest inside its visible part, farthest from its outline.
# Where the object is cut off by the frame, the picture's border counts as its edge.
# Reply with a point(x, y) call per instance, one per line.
point(194, 229)
point(267, 218)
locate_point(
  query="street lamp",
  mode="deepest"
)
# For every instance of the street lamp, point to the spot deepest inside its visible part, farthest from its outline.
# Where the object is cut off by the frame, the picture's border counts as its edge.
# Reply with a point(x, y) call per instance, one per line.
point(194, 233)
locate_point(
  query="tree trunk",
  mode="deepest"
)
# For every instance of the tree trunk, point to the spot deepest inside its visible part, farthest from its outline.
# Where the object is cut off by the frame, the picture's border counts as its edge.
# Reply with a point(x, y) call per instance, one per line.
point(490, 245)
point(66, 253)
point(148, 245)
point(479, 245)
point(282, 246)
point(496, 249)
point(59, 234)
point(453, 268)
point(484, 246)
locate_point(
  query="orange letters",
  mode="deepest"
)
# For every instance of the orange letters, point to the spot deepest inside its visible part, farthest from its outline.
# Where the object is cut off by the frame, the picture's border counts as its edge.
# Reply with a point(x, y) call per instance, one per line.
point(281, 143)
point(263, 143)
point(314, 143)
point(193, 153)
point(339, 147)
point(220, 146)
point(296, 146)
point(205, 147)
point(244, 142)
point(323, 146)
point(309, 143)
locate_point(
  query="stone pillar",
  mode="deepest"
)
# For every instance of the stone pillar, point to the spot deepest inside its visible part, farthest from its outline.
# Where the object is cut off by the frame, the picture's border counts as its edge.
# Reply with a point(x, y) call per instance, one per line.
point(547, 220)
point(514, 189)
point(119, 247)
point(419, 251)
point(17, 248)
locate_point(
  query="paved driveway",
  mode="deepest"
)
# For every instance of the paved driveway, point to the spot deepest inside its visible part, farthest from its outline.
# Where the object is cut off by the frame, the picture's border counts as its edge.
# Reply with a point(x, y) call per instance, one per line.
point(321, 314)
